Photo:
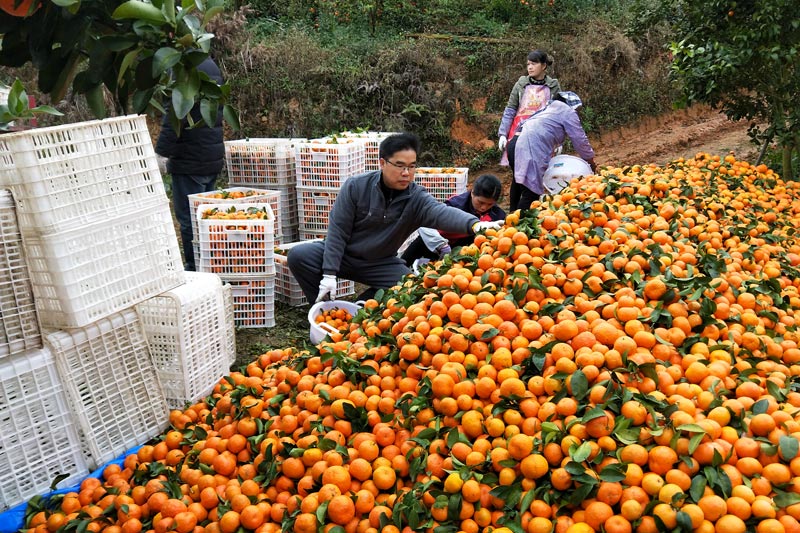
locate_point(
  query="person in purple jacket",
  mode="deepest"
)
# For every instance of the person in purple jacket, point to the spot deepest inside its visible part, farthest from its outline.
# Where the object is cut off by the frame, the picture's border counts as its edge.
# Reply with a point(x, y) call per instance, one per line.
point(541, 135)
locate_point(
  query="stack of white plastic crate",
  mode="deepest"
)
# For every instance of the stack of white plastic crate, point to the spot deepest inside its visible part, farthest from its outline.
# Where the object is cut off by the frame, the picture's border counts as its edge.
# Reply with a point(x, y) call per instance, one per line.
point(372, 142)
point(287, 289)
point(442, 182)
point(98, 238)
point(38, 437)
point(190, 333)
point(267, 164)
point(322, 166)
point(233, 195)
point(237, 243)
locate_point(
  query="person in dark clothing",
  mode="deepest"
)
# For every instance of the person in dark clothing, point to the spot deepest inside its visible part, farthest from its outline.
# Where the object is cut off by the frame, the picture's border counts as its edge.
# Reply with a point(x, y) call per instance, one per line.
point(374, 213)
point(481, 201)
point(195, 159)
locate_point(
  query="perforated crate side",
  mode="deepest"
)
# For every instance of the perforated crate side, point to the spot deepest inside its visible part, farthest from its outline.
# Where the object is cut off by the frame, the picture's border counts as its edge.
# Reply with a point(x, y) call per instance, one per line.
point(80, 276)
point(111, 384)
point(230, 325)
point(237, 247)
point(261, 162)
point(288, 290)
point(254, 196)
point(372, 142)
point(65, 177)
point(38, 437)
point(188, 337)
point(19, 327)
point(307, 235)
point(314, 207)
point(322, 164)
point(253, 302)
point(442, 183)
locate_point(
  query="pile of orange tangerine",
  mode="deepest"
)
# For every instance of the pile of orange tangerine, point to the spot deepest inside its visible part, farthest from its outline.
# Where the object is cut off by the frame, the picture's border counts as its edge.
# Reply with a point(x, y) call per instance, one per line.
point(621, 358)
point(336, 317)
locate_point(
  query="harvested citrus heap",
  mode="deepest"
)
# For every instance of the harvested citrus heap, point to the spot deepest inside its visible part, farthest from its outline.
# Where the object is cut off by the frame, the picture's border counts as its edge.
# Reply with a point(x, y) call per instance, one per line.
point(622, 358)
point(335, 317)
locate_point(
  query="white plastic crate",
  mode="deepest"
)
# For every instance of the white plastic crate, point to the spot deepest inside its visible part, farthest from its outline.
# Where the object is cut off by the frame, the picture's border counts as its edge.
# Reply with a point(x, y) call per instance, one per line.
point(306, 235)
point(65, 177)
point(314, 206)
point(372, 142)
point(261, 162)
point(328, 163)
point(253, 302)
point(227, 298)
point(38, 436)
point(235, 195)
point(4, 92)
point(442, 182)
point(111, 384)
point(19, 327)
point(237, 247)
point(190, 335)
point(289, 235)
point(82, 275)
point(287, 289)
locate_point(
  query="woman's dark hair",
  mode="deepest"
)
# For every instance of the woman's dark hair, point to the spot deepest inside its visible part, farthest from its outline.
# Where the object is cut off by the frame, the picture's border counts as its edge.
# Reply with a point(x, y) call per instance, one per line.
point(540, 56)
point(397, 143)
point(487, 186)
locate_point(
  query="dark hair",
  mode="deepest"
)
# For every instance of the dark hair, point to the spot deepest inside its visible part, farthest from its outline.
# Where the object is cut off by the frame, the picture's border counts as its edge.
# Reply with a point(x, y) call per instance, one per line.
point(397, 143)
point(487, 186)
point(540, 56)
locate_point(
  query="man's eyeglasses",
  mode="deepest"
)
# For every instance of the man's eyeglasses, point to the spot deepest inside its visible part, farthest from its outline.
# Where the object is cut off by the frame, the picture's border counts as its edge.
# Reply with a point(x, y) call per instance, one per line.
point(410, 168)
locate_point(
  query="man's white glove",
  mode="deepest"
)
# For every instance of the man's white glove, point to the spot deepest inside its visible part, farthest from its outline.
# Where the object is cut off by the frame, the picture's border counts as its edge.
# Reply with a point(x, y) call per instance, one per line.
point(502, 142)
point(162, 163)
point(483, 226)
point(327, 287)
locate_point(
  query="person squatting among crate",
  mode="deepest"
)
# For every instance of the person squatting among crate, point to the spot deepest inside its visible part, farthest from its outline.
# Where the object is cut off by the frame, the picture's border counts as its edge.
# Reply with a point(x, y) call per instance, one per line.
point(542, 134)
point(194, 159)
point(480, 201)
point(530, 94)
point(373, 215)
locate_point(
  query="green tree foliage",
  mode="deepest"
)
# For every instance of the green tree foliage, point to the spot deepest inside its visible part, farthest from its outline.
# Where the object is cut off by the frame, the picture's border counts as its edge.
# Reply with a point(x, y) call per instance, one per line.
point(143, 53)
point(743, 57)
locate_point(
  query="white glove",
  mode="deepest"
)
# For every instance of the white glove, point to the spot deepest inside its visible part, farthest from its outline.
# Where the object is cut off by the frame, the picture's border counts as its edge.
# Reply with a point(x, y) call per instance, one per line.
point(483, 226)
point(327, 287)
point(502, 142)
point(162, 163)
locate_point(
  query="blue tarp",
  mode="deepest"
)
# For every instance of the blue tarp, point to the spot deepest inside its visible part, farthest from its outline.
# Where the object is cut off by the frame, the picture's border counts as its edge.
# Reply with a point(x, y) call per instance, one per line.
point(13, 519)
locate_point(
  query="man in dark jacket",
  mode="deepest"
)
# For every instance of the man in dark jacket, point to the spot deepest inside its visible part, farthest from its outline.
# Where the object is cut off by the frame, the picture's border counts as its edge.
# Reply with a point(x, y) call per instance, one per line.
point(195, 159)
point(373, 215)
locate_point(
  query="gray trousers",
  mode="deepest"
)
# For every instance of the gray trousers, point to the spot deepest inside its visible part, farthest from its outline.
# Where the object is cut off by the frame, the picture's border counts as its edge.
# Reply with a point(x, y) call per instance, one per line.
point(305, 262)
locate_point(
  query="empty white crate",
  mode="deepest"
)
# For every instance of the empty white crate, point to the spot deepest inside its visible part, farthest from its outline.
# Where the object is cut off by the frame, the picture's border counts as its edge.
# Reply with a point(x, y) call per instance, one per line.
point(191, 335)
point(329, 162)
point(38, 438)
point(81, 275)
point(227, 298)
point(111, 384)
point(261, 162)
point(19, 327)
point(288, 290)
point(237, 247)
point(253, 302)
point(442, 182)
point(235, 195)
point(65, 177)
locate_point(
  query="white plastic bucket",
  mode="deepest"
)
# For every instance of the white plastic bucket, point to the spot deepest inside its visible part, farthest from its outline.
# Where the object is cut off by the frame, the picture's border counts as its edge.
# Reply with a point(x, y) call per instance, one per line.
point(561, 170)
point(316, 331)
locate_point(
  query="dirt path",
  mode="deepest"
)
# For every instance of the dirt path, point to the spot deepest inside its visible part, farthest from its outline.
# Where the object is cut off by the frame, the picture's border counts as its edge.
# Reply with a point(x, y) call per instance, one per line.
point(681, 133)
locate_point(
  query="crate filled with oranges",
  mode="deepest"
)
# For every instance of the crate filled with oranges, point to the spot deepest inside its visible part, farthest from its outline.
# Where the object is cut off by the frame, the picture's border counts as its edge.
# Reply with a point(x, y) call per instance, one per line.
point(442, 182)
point(237, 239)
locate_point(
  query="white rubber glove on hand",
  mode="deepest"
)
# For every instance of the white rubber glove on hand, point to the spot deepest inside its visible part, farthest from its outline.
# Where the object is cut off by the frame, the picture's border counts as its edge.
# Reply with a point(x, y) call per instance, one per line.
point(483, 226)
point(502, 142)
point(327, 287)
